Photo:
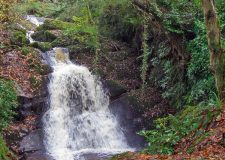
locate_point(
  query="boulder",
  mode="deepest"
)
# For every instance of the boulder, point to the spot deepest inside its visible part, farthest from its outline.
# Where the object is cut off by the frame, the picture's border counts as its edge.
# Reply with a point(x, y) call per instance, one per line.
point(43, 46)
point(114, 89)
point(30, 106)
point(19, 38)
point(64, 41)
point(32, 142)
point(129, 118)
point(38, 156)
point(44, 36)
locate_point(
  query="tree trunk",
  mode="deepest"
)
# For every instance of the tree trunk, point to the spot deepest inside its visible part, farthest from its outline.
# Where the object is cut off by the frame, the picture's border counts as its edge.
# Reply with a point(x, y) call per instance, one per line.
point(214, 43)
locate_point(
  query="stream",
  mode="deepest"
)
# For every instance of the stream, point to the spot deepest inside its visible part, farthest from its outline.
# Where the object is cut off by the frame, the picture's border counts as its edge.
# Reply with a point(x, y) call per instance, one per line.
point(78, 124)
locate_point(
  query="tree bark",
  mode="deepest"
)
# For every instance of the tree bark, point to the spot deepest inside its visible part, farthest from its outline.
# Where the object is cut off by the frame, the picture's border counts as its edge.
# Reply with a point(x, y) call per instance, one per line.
point(214, 43)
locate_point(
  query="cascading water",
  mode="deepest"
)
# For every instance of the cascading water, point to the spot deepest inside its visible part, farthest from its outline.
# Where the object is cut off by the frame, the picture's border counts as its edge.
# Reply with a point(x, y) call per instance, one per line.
point(78, 121)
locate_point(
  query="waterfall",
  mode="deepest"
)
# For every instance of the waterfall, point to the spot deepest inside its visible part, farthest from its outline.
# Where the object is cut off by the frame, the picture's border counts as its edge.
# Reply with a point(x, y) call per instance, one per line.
point(78, 119)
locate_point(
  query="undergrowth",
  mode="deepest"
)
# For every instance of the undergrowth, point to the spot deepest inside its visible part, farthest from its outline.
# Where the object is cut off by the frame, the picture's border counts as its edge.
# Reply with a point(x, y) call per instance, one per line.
point(3, 150)
point(171, 129)
point(8, 102)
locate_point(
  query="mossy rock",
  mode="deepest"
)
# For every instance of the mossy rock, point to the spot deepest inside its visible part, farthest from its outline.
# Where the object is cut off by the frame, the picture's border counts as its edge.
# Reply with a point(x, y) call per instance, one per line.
point(51, 24)
point(43, 36)
point(43, 46)
point(64, 41)
point(115, 89)
point(19, 38)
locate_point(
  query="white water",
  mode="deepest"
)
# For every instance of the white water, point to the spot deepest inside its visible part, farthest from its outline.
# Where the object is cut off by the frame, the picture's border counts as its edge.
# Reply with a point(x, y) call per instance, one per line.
point(78, 120)
point(37, 22)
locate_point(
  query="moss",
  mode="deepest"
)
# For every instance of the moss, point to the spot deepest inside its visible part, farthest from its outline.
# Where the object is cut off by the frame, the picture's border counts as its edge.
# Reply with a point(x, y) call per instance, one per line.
point(28, 50)
point(65, 41)
point(51, 24)
point(19, 38)
point(43, 46)
point(43, 36)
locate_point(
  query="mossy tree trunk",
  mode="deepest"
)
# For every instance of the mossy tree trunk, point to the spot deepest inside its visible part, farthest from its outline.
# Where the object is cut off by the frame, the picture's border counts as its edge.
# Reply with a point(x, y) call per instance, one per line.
point(214, 43)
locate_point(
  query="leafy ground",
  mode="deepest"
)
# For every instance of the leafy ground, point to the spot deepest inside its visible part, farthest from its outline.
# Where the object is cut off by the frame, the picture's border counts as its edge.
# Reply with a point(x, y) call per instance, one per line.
point(22, 66)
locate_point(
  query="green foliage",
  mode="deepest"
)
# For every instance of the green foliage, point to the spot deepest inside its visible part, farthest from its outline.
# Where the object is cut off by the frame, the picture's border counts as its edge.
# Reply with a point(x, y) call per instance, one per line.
point(19, 38)
point(8, 102)
point(43, 46)
point(53, 24)
point(27, 50)
point(179, 15)
point(5, 11)
point(146, 53)
point(201, 81)
point(120, 20)
point(171, 129)
point(37, 8)
point(3, 150)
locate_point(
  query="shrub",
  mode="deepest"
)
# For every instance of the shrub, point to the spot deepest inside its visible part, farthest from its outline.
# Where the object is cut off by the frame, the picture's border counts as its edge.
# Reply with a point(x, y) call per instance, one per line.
point(200, 79)
point(5, 8)
point(8, 102)
point(120, 20)
point(37, 8)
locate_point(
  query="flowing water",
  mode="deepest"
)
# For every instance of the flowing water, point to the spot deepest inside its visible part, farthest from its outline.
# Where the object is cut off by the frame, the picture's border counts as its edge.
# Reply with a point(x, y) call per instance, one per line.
point(78, 124)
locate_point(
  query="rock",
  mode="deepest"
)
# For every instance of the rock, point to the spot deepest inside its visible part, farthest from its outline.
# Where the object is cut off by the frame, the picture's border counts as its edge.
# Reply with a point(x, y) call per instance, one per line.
point(43, 46)
point(64, 41)
point(114, 89)
point(32, 142)
point(43, 36)
point(38, 156)
point(130, 120)
point(30, 106)
point(19, 38)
